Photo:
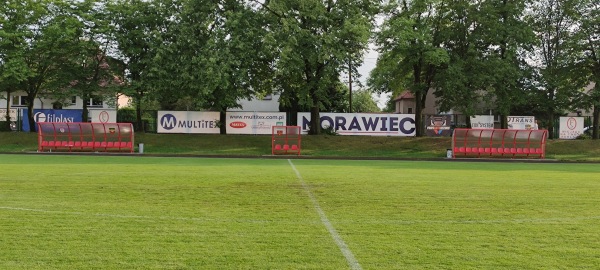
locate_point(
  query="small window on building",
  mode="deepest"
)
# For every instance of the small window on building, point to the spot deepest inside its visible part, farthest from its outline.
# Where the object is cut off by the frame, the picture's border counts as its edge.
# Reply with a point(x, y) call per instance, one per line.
point(73, 100)
point(94, 102)
point(18, 101)
point(410, 110)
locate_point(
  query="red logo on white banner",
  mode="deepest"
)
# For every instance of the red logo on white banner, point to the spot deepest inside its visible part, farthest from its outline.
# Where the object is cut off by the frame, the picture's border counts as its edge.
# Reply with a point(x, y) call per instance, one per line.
point(571, 123)
point(104, 117)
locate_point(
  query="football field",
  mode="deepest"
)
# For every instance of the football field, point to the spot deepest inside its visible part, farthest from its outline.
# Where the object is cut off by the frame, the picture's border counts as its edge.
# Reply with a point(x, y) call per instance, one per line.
point(135, 212)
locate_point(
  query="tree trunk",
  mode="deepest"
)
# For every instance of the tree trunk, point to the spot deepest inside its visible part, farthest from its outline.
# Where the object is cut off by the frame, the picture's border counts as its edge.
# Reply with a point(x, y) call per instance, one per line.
point(315, 121)
point(292, 119)
point(8, 120)
point(138, 112)
point(503, 122)
point(418, 100)
point(30, 116)
point(84, 113)
point(551, 125)
point(418, 115)
point(467, 120)
point(223, 121)
point(596, 122)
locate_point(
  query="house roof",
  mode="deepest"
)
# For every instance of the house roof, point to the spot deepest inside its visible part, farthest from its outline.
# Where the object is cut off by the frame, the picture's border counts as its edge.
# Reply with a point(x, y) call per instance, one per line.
point(405, 95)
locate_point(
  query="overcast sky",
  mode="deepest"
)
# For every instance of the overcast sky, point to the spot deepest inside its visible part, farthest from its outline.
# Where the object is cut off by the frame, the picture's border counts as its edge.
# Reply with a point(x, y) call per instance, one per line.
point(370, 60)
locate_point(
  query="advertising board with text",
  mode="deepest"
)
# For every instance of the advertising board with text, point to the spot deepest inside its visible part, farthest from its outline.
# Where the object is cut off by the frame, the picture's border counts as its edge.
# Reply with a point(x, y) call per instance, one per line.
point(365, 124)
point(438, 126)
point(187, 122)
point(570, 127)
point(67, 116)
point(253, 122)
point(103, 116)
point(482, 121)
point(12, 113)
point(520, 122)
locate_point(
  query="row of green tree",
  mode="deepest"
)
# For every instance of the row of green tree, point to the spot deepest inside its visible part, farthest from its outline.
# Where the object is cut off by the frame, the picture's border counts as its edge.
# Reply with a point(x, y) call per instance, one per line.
point(515, 57)
point(174, 54)
point(512, 56)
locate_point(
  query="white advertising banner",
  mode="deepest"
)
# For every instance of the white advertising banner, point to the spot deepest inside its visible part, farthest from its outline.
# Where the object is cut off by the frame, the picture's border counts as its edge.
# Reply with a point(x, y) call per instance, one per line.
point(365, 124)
point(570, 127)
point(103, 116)
point(12, 114)
point(253, 122)
point(482, 121)
point(520, 122)
point(187, 122)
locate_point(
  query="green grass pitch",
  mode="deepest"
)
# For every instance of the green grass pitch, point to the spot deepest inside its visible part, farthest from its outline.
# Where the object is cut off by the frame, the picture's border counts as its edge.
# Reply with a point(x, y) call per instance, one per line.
point(123, 212)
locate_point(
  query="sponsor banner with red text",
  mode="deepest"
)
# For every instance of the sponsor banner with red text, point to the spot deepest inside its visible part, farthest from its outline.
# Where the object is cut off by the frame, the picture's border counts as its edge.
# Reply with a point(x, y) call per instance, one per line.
point(187, 122)
point(103, 116)
point(254, 122)
point(570, 127)
point(364, 124)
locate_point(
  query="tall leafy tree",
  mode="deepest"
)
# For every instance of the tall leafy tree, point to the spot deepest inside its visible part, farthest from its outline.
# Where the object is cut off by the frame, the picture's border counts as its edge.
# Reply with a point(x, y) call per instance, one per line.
point(411, 52)
point(138, 30)
point(243, 59)
point(485, 40)
point(220, 56)
point(178, 69)
point(461, 85)
point(42, 35)
point(509, 39)
point(90, 72)
point(316, 39)
point(13, 69)
point(554, 22)
point(586, 58)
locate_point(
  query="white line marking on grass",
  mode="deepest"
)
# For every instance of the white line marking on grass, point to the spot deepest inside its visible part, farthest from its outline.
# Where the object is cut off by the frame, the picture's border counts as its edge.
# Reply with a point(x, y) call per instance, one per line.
point(336, 237)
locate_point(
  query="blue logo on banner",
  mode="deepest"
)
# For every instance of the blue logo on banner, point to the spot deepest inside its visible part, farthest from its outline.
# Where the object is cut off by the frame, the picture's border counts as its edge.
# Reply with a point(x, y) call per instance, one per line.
point(39, 116)
point(168, 121)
